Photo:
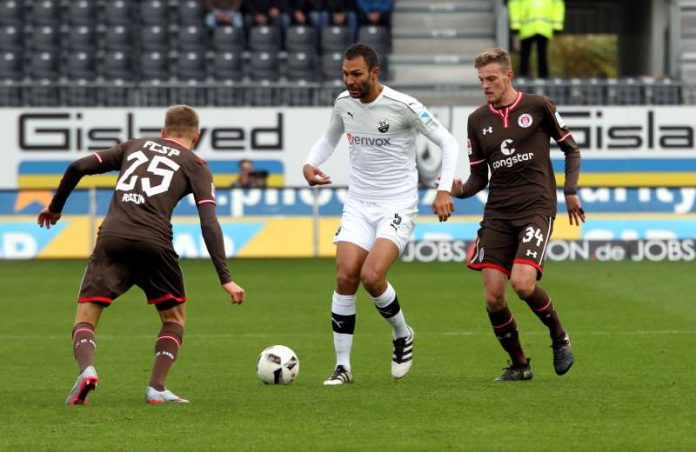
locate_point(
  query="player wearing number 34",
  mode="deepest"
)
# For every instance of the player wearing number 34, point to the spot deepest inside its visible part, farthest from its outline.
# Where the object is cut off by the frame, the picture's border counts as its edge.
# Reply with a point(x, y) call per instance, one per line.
point(134, 246)
point(511, 136)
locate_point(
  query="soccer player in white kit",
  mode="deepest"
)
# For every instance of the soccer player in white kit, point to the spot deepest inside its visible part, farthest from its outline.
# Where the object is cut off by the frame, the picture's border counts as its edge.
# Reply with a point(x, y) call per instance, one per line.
point(381, 205)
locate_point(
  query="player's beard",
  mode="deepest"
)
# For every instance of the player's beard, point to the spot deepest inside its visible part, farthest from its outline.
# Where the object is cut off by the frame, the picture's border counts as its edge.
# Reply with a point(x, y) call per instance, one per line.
point(364, 89)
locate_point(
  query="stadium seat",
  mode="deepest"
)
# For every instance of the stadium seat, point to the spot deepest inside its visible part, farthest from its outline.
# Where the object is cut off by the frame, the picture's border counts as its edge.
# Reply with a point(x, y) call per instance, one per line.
point(191, 66)
point(45, 12)
point(118, 65)
point(264, 38)
point(154, 37)
point(332, 66)
point(45, 37)
point(335, 39)
point(227, 66)
point(117, 12)
point(81, 37)
point(118, 37)
point(11, 38)
point(302, 66)
point(154, 66)
point(376, 37)
point(44, 66)
point(301, 38)
point(10, 66)
point(193, 38)
point(190, 12)
point(264, 66)
point(154, 12)
point(228, 39)
point(11, 12)
point(80, 66)
point(81, 12)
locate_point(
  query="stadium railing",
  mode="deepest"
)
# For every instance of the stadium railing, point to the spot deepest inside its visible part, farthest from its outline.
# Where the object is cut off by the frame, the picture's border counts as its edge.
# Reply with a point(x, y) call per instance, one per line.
point(627, 91)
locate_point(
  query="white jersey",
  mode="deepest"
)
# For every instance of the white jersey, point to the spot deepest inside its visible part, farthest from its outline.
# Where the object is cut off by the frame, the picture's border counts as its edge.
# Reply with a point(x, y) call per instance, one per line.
point(382, 144)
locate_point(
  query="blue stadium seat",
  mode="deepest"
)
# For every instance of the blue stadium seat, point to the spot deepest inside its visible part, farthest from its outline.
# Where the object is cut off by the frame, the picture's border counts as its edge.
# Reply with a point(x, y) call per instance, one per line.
point(81, 37)
point(229, 39)
point(332, 66)
point(377, 37)
point(264, 66)
point(45, 37)
point(10, 66)
point(80, 66)
point(193, 38)
point(154, 12)
point(118, 37)
point(11, 38)
point(82, 12)
point(45, 12)
point(11, 13)
point(335, 39)
point(302, 66)
point(190, 12)
point(265, 38)
point(154, 37)
point(301, 38)
point(117, 12)
point(44, 66)
point(227, 66)
point(118, 65)
point(191, 66)
point(154, 66)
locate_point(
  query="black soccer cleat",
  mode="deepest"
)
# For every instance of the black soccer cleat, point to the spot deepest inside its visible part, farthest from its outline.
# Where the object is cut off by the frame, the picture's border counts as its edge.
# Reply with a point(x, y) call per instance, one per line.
point(516, 372)
point(562, 354)
point(340, 376)
point(402, 357)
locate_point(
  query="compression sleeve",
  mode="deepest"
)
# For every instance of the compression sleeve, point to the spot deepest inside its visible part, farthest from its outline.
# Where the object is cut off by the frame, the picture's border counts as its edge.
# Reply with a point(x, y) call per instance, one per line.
point(557, 129)
point(450, 153)
point(214, 242)
point(326, 145)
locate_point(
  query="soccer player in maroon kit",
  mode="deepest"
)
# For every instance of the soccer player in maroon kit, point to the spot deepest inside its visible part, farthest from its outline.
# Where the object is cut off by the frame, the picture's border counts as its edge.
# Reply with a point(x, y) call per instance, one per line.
point(511, 136)
point(134, 246)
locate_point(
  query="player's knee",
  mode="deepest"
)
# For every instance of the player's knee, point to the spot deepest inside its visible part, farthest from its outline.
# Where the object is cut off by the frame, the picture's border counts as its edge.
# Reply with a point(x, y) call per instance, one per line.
point(523, 287)
point(495, 301)
point(347, 282)
point(372, 279)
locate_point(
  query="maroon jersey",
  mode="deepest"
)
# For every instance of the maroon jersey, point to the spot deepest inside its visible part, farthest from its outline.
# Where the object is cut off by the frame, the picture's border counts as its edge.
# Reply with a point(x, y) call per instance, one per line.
point(514, 142)
point(155, 173)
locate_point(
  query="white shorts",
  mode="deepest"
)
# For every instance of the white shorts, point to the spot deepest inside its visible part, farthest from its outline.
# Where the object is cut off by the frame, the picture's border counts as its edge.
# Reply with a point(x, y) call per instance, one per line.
point(364, 222)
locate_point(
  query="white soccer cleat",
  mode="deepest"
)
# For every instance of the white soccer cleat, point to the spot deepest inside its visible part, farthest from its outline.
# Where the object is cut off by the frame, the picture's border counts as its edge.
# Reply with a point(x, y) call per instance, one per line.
point(86, 382)
point(340, 376)
point(155, 397)
point(402, 359)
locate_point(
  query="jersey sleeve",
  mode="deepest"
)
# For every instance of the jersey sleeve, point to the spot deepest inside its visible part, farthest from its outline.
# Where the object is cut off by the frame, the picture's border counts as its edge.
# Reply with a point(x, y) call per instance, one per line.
point(326, 144)
point(201, 182)
point(97, 163)
point(556, 128)
point(478, 178)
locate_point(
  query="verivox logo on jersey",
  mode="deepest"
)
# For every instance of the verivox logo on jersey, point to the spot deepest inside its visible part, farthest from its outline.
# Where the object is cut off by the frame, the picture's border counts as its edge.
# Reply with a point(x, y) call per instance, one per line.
point(367, 141)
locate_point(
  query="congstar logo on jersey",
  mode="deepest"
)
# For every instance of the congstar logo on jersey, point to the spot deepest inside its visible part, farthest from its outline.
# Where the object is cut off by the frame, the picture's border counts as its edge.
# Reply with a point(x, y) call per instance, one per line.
point(507, 149)
point(77, 130)
point(358, 140)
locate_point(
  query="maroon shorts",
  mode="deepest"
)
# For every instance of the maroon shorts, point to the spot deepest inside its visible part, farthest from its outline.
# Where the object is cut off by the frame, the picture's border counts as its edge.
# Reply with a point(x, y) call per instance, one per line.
point(502, 243)
point(116, 264)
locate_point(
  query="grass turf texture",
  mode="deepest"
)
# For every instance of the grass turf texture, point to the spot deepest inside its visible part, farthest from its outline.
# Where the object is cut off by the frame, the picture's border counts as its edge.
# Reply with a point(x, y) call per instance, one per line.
point(632, 386)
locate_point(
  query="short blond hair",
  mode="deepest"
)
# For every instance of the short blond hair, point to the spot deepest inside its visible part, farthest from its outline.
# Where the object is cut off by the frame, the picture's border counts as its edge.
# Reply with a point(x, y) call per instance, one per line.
point(181, 121)
point(493, 55)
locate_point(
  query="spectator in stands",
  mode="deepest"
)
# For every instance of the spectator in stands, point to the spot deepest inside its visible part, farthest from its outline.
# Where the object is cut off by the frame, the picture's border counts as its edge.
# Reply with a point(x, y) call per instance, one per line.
point(341, 13)
point(299, 12)
point(375, 12)
point(250, 177)
point(535, 20)
point(266, 12)
point(224, 13)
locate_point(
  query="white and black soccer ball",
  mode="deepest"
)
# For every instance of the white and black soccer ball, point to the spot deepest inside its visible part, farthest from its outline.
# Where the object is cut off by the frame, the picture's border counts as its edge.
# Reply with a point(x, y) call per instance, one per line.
point(277, 365)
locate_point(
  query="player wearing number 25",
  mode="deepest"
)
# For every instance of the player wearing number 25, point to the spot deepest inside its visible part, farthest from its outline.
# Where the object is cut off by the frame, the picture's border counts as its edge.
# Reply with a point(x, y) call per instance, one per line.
point(511, 135)
point(134, 246)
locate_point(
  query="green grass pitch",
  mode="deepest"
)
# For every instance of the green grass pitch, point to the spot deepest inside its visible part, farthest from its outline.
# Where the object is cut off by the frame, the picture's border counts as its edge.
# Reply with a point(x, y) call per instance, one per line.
point(633, 386)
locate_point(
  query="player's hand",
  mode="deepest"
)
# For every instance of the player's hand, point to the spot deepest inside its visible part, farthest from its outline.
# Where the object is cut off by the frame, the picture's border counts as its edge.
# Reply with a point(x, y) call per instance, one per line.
point(237, 294)
point(443, 205)
point(315, 176)
point(575, 212)
point(48, 218)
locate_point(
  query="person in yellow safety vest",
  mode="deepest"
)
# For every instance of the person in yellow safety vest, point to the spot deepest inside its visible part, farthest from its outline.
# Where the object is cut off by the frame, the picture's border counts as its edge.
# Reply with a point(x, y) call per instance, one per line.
point(536, 20)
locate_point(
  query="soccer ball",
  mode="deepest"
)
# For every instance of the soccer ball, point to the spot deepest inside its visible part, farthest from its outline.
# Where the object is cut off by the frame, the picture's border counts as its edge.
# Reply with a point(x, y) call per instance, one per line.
point(277, 365)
